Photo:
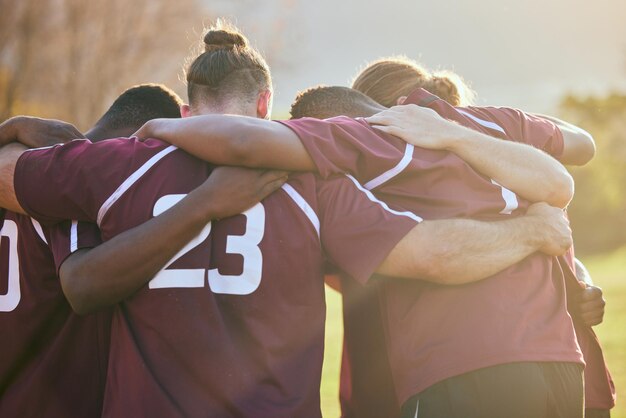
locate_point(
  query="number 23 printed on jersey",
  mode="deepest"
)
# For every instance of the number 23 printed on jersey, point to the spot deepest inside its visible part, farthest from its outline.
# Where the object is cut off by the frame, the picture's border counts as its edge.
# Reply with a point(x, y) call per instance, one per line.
point(246, 245)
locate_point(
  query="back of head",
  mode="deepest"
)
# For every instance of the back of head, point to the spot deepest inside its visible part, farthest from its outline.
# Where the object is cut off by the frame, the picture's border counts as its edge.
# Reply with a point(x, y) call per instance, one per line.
point(133, 108)
point(228, 72)
point(324, 102)
point(388, 79)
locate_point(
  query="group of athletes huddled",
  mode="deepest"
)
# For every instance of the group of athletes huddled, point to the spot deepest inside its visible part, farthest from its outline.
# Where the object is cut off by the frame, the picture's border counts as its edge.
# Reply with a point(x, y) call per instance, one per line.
point(171, 261)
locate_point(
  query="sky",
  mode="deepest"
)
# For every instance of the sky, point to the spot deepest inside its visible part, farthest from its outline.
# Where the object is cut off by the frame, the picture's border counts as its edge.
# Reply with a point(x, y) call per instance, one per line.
point(524, 54)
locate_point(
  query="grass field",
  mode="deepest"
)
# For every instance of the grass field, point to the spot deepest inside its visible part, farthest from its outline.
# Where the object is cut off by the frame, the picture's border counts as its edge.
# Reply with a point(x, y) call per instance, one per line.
point(608, 271)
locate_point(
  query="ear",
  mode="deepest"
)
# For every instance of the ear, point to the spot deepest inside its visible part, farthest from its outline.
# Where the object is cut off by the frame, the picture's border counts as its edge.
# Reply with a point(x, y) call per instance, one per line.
point(401, 100)
point(185, 111)
point(264, 104)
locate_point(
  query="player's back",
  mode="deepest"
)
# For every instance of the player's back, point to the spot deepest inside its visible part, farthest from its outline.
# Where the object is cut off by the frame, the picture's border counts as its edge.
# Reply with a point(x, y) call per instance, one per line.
point(233, 325)
point(516, 315)
point(53, 361)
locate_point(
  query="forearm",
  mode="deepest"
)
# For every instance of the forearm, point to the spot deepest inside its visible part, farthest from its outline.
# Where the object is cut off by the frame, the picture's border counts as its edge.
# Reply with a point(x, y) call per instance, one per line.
point(236, 140)
point(458, 251)
point(525, 170)
point(116, 269)
point(9, 154)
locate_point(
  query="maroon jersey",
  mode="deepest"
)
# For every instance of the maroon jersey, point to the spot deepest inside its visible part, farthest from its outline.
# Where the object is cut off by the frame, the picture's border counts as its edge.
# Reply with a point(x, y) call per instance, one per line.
point(52, 361)
point(233, 325)
point(435, 332)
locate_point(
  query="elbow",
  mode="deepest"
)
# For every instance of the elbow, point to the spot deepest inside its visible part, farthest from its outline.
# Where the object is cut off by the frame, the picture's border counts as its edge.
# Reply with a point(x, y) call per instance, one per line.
point(580, 148)
point(561, 191)
point(586, 148)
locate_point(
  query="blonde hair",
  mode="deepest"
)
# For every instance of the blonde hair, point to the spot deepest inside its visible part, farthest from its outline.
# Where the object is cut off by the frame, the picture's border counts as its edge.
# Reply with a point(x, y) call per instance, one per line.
point(387, 79)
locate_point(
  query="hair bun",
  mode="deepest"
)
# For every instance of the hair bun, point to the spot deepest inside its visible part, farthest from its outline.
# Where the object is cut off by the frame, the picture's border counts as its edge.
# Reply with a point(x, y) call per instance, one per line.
point(223, 39)
point(446, 86)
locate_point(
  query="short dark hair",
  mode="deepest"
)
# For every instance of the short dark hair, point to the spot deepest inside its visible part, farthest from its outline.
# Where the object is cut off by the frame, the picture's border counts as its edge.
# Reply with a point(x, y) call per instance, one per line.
point(139, 104)
point(324, 102)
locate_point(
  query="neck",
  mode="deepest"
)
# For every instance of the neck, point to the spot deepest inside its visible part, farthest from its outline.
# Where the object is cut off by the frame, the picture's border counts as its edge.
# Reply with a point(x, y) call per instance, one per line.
point(98, 133)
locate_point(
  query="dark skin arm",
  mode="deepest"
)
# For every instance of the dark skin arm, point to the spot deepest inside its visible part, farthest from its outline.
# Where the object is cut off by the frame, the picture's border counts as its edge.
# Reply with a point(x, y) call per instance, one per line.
point(589, 303)
point(37, 132)
point(91, 281)
point(16, 135)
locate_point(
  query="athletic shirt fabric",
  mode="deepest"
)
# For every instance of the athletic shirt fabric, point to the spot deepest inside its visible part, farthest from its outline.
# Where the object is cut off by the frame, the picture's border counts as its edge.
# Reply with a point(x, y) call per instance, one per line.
point(53, 361)
point(234, 325)
point(435, 332)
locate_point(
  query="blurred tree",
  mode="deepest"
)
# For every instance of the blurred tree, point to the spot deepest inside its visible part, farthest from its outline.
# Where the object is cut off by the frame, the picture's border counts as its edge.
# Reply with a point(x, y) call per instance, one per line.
point(68, 59)
point(598, 211)
point(20, 26)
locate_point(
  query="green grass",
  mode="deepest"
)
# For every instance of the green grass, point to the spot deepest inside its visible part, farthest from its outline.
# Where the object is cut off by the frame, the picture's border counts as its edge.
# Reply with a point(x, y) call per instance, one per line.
point(608, 272)
point(332, 355)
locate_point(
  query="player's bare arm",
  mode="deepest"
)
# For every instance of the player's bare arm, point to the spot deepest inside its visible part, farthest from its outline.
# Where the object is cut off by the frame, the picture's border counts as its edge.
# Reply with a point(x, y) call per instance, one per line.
point(91, 280)
point(37, 132)
point(458, 251)
point(9, 154)
point(527, 171)
point(233, 140)
point(588, 304)
point(578, 145)
point(31, 132)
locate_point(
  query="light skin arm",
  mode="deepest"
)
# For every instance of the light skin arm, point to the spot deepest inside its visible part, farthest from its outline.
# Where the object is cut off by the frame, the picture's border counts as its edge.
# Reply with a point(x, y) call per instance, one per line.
point(578, 145)
point(527, 171)
point(90, 280)
point(459, 251)
point(233, 140)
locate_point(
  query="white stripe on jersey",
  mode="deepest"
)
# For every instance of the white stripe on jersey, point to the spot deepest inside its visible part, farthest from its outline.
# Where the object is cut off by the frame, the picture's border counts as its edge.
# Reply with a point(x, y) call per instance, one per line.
point(485, 123)
point(510, 199)
point(74, 236)
point(302, 204)
point(131, 180)
point(389, 174)
point(39, 230)
point(373, 198)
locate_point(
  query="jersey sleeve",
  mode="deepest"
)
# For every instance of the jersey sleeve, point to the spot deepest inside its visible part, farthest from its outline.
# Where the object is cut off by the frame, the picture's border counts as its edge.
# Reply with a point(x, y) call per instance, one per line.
point(529, 129)
point(344, 145)
point(72, 181)
point(357, 230)
point(67, 237)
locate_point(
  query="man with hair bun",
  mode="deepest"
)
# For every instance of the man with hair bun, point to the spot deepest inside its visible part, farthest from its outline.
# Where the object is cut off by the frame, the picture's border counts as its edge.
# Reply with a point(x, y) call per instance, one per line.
point(387, 79)
point(54, 364)
point(397, 173)
point(240, 332)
